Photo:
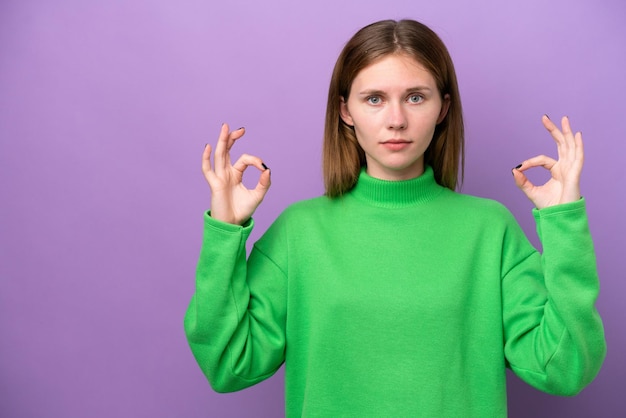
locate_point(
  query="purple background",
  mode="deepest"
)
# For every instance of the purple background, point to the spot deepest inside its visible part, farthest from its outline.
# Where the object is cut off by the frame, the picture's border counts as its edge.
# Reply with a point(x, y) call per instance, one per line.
point(105, 108)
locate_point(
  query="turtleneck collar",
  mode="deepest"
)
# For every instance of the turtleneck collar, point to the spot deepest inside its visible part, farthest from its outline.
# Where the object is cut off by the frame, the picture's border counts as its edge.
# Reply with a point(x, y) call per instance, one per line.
point(396, 194)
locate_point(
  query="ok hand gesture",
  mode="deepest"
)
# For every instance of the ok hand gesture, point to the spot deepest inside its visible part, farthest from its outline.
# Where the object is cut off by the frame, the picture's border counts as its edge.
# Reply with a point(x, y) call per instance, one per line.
point(231, 201)
point(564, 185)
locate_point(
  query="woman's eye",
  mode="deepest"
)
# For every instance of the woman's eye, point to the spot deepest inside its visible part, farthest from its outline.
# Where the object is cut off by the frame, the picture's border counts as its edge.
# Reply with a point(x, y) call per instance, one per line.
point(373, 100)
point(415, 98)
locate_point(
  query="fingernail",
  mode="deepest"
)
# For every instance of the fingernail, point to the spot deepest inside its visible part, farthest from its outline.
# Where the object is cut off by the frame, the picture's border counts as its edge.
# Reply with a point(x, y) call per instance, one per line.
point(205, 145)
point(547, 116)
point(517, 167)
point(241, 128)
point(264, 166)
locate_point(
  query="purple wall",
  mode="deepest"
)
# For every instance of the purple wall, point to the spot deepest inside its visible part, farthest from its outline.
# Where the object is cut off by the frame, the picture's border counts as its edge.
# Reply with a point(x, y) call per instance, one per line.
point(105, 108)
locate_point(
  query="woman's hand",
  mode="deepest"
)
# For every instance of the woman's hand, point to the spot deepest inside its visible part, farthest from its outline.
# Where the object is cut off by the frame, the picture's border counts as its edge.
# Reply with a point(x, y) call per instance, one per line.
point(564, 185)
point(231, 201)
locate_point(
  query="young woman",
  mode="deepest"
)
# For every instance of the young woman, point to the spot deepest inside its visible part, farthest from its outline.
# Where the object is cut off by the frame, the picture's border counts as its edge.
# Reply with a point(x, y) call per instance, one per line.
point(393, 295)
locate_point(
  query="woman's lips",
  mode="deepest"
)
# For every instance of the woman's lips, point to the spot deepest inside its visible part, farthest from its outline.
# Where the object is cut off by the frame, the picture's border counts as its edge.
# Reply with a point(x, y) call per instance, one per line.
point(396, 144)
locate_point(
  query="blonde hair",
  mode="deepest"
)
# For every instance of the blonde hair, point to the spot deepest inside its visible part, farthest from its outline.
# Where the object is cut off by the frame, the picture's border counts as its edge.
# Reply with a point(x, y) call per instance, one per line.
point(343, 157)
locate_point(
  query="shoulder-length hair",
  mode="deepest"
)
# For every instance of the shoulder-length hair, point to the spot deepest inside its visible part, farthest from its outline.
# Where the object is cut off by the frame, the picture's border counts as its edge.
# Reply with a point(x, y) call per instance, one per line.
point(343, 157)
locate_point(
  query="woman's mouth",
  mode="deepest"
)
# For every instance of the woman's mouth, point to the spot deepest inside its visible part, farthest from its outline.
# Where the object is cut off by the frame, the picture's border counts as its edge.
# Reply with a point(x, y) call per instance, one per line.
point(396, 144)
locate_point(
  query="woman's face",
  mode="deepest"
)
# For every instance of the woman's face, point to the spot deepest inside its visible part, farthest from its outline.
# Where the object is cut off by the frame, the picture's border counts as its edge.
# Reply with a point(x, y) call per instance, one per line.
point(394, 106)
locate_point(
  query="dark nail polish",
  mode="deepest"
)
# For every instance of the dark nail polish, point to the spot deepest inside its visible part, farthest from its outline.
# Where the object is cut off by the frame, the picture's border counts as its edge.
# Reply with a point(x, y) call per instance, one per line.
point(264, 166)
point(517, 167)
point(241, 128)
point(547, 116)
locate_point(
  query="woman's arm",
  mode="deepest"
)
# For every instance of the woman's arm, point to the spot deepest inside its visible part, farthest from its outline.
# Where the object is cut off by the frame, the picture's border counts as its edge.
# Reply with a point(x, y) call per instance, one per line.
point(554, 337)
point(235, 322)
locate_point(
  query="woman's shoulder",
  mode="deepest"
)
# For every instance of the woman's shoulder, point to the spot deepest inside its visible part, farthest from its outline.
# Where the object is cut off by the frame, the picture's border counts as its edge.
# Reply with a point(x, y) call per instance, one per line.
point(472, 200)
point(301, 215)
point(478, 206)
point(307, 207)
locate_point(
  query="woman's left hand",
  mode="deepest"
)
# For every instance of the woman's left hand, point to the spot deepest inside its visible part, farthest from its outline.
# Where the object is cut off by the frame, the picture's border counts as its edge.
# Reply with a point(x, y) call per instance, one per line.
point(564, 184)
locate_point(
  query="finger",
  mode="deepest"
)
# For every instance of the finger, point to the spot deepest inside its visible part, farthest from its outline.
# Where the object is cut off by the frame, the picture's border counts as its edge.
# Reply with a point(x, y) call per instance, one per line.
point(548, 124)
point(556, 134)
point(206, 159)
point(580, 149)
point(221, 157)
point(228, 144)
point(232, 137)
point(565, 126)
point(568, 137)
point(567, 144)
point(522, 182)
point(249, 160)
point(264, 183)
point(554, 130)
point(575, 141)
point(538, 161)
point(235, 135)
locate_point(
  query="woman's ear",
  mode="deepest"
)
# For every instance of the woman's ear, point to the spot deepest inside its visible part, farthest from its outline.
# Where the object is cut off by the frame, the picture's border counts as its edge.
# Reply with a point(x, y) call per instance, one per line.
point(445, 105)
point(344, 113)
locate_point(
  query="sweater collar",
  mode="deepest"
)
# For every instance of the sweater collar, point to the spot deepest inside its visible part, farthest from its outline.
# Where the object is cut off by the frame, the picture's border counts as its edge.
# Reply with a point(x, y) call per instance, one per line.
point(396, 194)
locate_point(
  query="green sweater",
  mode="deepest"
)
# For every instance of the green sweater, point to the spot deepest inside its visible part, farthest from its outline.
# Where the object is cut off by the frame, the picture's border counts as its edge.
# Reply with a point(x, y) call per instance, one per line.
point(398, 299)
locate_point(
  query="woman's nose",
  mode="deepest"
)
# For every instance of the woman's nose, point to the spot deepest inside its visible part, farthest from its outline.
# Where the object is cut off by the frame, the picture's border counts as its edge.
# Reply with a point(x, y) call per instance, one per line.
point(396, 117)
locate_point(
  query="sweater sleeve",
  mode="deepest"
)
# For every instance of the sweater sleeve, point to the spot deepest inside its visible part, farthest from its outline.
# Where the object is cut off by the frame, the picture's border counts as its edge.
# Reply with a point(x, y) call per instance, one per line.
point(554, 338)
point(235, 322)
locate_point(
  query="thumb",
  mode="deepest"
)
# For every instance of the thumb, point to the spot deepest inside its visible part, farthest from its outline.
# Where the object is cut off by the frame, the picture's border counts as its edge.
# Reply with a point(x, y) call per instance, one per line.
point(521, 181)
point(264, 182)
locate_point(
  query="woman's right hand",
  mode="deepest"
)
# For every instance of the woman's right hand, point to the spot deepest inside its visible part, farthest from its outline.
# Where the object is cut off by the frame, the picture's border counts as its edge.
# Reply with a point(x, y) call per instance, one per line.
point(231, 201)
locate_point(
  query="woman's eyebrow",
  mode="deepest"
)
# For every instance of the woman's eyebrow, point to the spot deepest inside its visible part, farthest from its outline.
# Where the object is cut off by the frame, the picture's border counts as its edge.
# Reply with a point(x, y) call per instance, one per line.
point(376, 92)
point(371, 92)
